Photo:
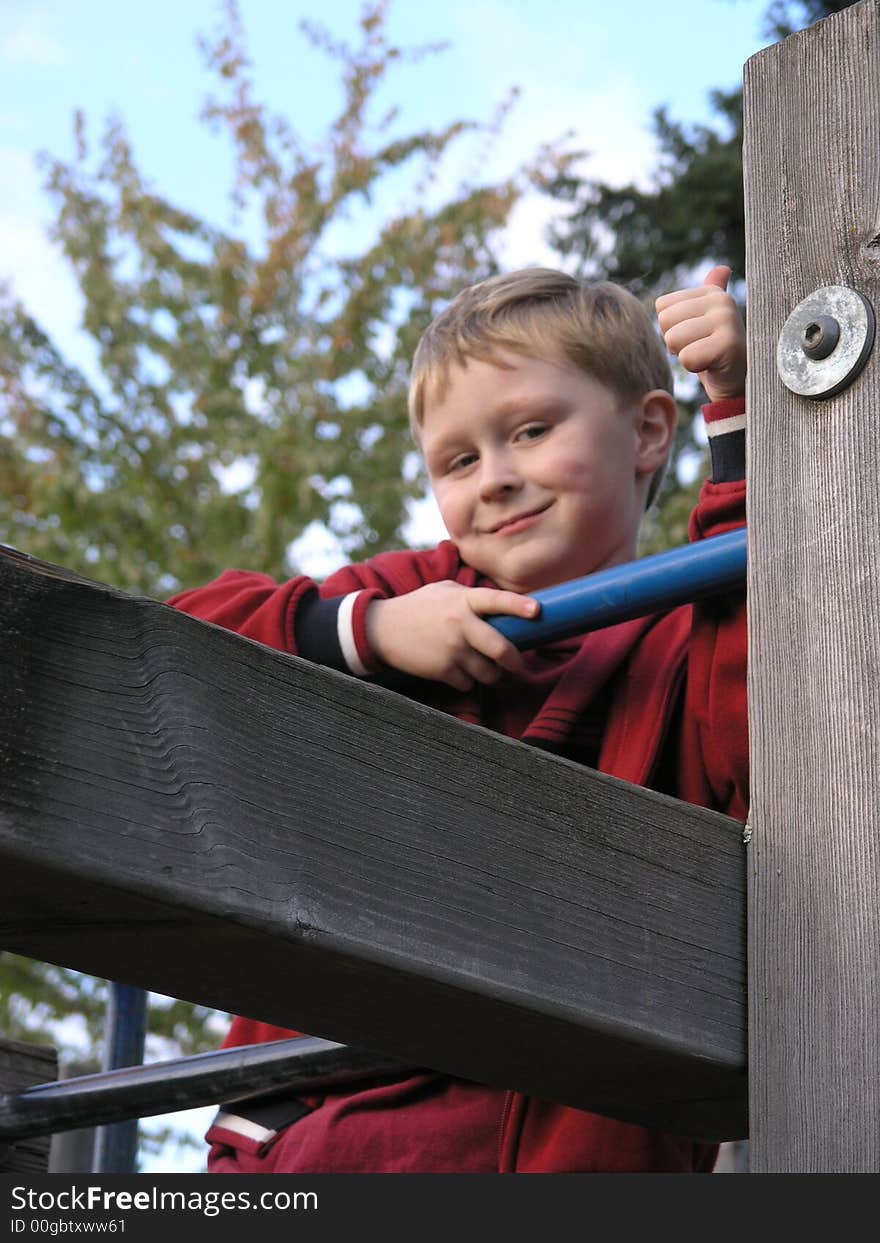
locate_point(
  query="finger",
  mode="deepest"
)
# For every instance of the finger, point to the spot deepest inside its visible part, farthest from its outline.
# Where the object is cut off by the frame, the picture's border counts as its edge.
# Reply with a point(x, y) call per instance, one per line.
point(669, 299)
point(459, 679)
point(719, 316)
point(718, 276)
point(700, 356)
point(694, 308)
point(487, 602)
point(489, 643)
point(480, 669)
point(687, 333)
point(683, 295)
point(692, 302)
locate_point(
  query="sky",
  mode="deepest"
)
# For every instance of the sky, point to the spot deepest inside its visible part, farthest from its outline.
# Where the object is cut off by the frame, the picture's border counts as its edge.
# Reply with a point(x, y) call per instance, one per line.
point(595, 68)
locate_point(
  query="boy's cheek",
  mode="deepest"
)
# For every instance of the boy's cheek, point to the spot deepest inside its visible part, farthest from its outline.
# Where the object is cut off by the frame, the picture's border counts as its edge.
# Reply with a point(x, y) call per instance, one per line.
point(453, 512)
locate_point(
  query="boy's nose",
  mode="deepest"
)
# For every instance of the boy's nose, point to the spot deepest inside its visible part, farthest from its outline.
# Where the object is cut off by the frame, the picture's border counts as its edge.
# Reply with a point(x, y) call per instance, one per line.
point(498, 476)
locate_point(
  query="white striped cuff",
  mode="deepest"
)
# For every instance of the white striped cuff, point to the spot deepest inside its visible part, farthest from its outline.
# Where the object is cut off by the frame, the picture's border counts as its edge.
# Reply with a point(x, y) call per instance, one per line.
point(722, 427)
point(345, 634)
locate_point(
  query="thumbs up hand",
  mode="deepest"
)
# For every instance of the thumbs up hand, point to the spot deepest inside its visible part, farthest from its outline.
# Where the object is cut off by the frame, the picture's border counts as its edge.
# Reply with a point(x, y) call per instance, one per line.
point(703, 328)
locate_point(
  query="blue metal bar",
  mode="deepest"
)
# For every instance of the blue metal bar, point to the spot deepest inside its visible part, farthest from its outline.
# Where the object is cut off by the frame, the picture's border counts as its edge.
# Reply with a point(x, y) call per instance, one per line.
point(651, 585)
point(116, 1145)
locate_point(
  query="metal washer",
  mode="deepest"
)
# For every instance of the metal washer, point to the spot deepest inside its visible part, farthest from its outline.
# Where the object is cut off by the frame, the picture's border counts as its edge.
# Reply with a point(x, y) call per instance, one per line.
point(819, 378)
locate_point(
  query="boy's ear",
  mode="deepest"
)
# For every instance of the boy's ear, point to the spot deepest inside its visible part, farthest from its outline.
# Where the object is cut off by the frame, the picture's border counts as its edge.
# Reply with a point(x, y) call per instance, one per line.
point(656, 418)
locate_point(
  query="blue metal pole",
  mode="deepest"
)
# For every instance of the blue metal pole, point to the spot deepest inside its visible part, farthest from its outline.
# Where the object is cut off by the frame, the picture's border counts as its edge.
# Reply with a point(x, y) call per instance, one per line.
point(116, 1145)
point(651, 585)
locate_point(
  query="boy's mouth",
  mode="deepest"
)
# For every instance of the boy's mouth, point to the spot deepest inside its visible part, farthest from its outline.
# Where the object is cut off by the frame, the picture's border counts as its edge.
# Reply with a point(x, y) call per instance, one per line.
point(519, 522)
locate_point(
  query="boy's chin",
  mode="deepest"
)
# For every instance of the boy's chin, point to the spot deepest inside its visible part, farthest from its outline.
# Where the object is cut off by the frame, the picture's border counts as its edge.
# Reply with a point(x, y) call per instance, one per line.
point(526, 580)
point(529, 579)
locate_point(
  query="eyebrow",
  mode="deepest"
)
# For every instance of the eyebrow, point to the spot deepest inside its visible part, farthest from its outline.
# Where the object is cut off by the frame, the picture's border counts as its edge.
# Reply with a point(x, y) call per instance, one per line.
point(445, 447)
point(512, 407)
point(542, 404)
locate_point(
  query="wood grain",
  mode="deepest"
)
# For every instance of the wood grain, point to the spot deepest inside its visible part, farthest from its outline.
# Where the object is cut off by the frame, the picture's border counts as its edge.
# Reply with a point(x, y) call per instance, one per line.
point(22, 1066)
point(812, 168)
point(191, 812)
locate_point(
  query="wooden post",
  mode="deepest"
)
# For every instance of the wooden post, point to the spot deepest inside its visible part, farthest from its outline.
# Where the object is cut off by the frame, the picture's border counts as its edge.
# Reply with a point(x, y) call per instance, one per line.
point(21, 1066)
point(812, 167)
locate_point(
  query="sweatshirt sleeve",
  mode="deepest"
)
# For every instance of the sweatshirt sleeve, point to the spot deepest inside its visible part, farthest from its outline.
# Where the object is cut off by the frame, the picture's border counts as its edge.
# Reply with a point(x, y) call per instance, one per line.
point(326, 622)
point(721, 504)
point(714, 756)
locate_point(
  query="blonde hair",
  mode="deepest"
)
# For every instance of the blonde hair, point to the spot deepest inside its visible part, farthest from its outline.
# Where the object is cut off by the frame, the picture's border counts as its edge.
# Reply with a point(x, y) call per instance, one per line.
point(599, 328)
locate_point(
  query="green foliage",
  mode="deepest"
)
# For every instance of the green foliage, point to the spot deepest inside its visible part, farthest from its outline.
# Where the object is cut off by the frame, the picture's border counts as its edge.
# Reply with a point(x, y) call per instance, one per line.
point(784, 17)
point(691, 215)
point(38, 1000)
point(649, 240)
point(260, 347)
point(33, 1001)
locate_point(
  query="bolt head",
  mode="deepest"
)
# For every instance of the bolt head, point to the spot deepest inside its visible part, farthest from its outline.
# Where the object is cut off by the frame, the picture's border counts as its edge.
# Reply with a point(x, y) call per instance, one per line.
point(820, 336)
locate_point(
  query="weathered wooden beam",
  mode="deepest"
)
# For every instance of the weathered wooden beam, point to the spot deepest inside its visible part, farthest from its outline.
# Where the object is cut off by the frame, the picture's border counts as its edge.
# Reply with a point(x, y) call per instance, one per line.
point(21, 1066)
point(812, 165)
point(191, 812)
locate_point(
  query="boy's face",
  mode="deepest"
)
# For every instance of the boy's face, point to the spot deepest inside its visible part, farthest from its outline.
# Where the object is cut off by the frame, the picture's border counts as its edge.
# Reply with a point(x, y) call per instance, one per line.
point(540, 471)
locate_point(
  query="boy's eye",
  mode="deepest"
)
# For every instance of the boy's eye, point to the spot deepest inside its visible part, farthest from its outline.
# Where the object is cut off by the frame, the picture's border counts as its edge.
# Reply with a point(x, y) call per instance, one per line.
point(532, 431)
point(462, 461)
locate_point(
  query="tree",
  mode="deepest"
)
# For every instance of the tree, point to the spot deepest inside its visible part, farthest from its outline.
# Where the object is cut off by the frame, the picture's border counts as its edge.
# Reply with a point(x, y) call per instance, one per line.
point(259, 347)
point(277, 355)
point(689, 218)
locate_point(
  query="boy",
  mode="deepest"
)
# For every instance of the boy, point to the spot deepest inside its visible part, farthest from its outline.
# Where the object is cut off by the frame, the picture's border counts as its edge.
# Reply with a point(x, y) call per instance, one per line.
point(545, 415)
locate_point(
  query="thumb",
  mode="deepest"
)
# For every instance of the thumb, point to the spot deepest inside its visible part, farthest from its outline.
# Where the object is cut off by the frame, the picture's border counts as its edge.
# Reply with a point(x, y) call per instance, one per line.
point(718, 276)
